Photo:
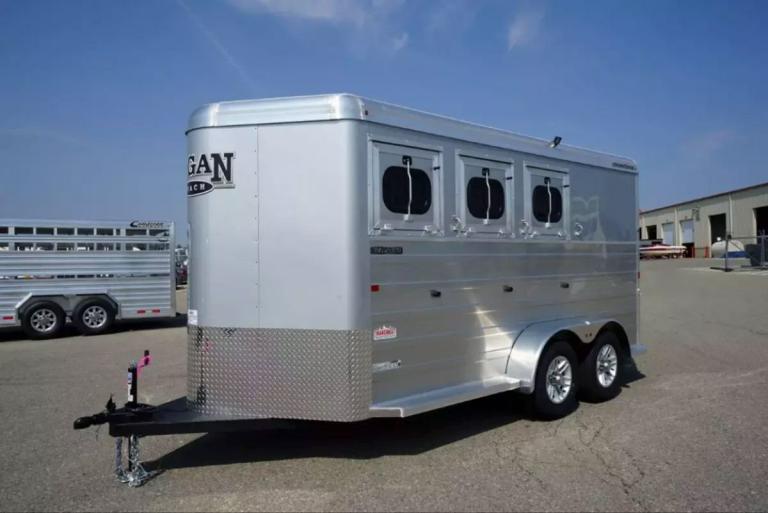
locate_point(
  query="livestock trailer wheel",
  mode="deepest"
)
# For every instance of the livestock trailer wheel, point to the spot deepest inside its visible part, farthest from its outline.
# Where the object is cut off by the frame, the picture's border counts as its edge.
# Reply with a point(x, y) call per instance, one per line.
point(93, 316)
point(600, 373)
point(43, 319)
point(554, 394)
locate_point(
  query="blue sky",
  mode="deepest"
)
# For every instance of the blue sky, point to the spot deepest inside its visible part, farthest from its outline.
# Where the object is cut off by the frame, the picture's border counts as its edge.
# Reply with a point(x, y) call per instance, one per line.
point(95, 95)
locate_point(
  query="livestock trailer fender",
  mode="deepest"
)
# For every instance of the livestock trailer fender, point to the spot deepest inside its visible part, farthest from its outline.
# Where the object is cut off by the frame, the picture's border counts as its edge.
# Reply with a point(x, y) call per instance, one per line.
point(530, 344)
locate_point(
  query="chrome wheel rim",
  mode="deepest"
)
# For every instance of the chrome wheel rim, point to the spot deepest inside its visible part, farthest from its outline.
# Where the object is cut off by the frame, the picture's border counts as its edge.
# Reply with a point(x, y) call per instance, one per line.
point(559, 379)
point(43, 320)
point(607, 365)
point(95, 316)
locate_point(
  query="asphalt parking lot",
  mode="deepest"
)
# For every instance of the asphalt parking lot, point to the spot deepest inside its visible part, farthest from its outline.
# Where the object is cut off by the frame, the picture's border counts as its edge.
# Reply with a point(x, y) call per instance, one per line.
point(688, 434)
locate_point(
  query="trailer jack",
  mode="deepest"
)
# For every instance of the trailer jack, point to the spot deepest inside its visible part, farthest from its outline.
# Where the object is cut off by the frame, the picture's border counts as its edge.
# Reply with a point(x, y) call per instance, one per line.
point(135, 474)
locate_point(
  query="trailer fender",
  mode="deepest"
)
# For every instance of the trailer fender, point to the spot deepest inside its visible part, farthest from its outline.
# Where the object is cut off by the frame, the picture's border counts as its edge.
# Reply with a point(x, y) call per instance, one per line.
point(69, 301)
point(530, 343)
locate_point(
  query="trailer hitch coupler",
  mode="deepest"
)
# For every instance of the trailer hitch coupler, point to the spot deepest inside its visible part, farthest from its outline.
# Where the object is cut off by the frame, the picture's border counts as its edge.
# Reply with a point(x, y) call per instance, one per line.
point(90, 420)
point(83, 422)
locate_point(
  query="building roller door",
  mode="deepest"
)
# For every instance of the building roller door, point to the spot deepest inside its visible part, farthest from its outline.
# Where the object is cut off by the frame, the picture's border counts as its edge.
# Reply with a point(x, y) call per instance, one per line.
point(686, 228)
point(686, 232)
point(668, 233)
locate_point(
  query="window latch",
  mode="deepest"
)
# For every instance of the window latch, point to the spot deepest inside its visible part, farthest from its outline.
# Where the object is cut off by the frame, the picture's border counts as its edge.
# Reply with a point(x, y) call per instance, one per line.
point(525, 227)
point(407, 162)
point(384, 228)
point(487, 175)
point(458, 224)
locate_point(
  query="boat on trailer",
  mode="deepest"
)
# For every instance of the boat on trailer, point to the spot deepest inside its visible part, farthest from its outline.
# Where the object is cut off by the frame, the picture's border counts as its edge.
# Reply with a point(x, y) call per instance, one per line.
point(658, 249)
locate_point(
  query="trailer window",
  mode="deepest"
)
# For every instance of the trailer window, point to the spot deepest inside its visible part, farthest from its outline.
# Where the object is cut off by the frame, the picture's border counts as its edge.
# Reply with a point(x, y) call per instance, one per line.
point(155, 233)
point(3, 246)
point(24, 230)
point(406, 190)
point(105, 231)
point(84, 247)
point(65, 231)
point(45, 231)
point(135, 247)
point(485, 197)
point(65, 246)
point(133, 232)
point(24, 246)
point(547, 203)
point(3, 229)
point(85, 231)
point(105, 247)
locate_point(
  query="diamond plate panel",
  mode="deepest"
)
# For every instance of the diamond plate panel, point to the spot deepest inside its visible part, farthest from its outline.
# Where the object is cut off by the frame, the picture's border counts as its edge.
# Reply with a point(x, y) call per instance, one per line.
point(279, 373)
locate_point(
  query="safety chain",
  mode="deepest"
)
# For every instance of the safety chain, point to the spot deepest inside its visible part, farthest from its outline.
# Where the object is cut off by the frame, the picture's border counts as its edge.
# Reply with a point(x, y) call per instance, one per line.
point(136, 475)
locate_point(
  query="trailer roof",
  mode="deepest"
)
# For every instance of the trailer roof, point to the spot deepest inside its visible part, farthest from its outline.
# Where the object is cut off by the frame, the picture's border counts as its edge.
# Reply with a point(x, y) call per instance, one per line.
point(347, 106)
point(134, 223)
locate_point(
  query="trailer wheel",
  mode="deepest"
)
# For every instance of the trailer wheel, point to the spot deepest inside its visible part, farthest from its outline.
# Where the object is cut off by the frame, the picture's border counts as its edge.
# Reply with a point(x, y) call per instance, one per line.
point(600, 372)
point(93, 316)
point(554, 394)
point(43, 319)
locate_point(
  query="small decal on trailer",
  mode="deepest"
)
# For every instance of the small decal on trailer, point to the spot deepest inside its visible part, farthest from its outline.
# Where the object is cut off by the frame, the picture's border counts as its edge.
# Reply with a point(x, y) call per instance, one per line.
point(386, 250)
point(157, 225)
point(206, 172)
point(192, 317)
point(385, 366)
point(385, 333)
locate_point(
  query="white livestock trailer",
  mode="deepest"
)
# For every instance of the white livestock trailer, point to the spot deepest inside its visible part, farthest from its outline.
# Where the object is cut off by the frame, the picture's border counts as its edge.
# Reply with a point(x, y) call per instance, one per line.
point(353, 259)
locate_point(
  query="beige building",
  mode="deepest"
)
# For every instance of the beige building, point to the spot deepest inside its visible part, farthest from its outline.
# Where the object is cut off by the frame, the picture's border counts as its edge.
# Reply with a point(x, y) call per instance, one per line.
point(698, 223)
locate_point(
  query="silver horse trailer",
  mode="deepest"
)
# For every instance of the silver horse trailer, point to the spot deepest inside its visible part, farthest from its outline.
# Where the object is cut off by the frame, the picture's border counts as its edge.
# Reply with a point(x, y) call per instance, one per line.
point(92, 272)
point(353, 259)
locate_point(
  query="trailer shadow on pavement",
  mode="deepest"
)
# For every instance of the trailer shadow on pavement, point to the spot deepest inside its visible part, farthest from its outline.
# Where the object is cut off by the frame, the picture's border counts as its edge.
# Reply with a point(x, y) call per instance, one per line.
point(17, 334)
point(367, 439)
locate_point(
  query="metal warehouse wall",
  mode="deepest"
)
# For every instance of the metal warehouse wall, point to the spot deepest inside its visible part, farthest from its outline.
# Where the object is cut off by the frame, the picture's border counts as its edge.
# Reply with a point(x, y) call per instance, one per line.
point(738, 206)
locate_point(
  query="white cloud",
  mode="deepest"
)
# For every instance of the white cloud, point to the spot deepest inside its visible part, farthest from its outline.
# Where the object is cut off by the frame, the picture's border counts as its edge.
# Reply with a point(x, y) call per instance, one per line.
point(706, 144)
point(219, 47)
point(59, 136)
point(333, 11)
point(524, 28)
point(370, 19)
point(399, 41)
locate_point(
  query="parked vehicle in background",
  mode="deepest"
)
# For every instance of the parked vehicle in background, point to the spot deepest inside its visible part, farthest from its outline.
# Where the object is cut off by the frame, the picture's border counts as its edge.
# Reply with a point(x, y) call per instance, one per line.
point(734, 248)
point(655, 248)
point(182, 273)
point(182, 265)
point(89, 272)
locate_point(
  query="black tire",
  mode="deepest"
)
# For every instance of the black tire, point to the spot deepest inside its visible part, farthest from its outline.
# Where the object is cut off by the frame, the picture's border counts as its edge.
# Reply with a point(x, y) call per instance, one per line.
point(43, 319)
point(94, 316)
point(545, 406)
point(591, 386)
